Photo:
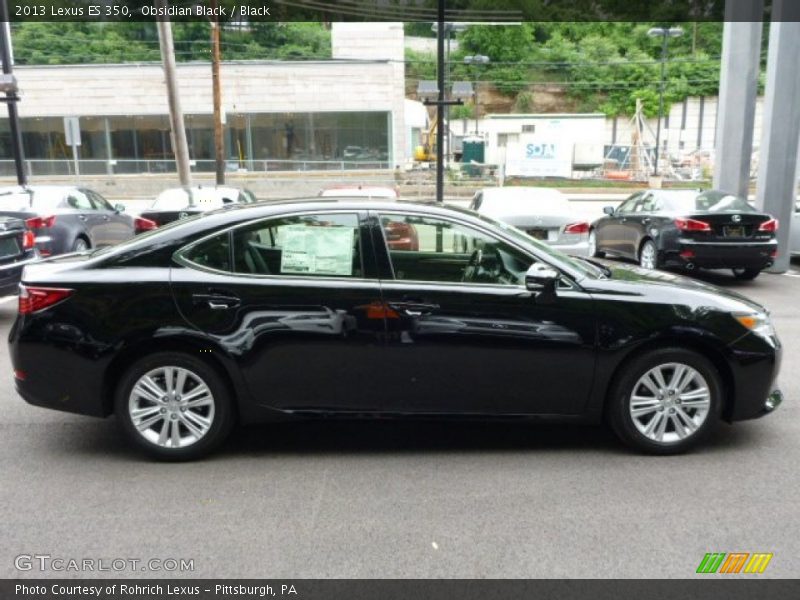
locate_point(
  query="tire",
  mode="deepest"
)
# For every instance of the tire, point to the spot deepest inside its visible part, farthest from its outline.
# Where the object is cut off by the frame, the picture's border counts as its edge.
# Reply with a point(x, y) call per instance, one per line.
point(191, 431)
point(628, 393)
point(593, 251)
point(80, 244)
point(648, 255)
point(746, 274)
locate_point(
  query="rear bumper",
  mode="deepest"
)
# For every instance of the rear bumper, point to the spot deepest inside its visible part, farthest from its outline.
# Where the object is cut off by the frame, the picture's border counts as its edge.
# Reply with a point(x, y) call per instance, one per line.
point(710, 255)
point(578, 249)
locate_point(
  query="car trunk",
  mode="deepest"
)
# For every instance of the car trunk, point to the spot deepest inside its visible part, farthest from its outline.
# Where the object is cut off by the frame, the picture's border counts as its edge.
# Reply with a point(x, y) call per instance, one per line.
point(730, 227)
point(11, 239)
point(548, 228)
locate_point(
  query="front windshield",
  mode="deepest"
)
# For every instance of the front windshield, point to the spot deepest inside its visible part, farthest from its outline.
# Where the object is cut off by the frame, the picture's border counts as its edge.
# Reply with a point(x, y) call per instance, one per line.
point(709, 201)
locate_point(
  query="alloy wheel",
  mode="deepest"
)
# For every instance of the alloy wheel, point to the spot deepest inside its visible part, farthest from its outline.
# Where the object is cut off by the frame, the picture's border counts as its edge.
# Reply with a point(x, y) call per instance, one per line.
point(171, 407)
point(670, 402)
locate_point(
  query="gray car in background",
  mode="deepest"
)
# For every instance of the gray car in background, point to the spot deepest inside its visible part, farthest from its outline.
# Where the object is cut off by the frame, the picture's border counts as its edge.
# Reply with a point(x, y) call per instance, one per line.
point(65, 218)
point(543, 213)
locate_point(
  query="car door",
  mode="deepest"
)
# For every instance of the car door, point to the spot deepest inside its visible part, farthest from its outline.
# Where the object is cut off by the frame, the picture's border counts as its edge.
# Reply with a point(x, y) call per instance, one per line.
point(85, 219)
point(116, 226)
point(611, 231)
point(295, 301)
point(637, 223)
point(465, 336)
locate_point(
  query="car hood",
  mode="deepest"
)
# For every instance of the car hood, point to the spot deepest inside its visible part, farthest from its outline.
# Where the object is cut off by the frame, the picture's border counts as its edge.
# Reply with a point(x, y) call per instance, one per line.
point(667, 288)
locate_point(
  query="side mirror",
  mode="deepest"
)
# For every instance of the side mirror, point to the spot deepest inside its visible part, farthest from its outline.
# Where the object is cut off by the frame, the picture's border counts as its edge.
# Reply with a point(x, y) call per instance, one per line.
point(119, 208)
point(541, 277)
point(609, 210)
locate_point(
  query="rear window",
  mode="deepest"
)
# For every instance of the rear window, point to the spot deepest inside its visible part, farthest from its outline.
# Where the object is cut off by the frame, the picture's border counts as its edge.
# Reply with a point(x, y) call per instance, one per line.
point(711, 201)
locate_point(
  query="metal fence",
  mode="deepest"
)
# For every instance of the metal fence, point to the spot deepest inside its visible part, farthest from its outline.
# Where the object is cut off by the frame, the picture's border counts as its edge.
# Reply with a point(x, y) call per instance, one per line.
point(63, 167)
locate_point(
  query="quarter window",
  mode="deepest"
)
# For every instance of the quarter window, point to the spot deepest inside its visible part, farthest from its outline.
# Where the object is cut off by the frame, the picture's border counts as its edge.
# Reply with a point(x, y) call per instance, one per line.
point(321, 245)
point(437, 250)
point(214, 253)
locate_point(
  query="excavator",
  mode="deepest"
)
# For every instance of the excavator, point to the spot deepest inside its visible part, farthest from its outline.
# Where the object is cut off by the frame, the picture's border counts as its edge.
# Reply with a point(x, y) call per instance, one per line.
point(426, 151)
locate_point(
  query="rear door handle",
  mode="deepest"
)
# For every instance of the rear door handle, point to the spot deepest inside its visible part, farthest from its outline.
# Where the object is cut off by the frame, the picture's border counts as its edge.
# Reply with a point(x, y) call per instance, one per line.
point(414, 309)
point(82, 217)
point(216, 301)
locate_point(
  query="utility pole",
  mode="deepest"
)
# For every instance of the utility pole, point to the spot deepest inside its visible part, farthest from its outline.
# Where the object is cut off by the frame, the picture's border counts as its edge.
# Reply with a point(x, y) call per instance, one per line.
point(219, 142)
point(440, 103)
point(180, 147)
point(11, 98)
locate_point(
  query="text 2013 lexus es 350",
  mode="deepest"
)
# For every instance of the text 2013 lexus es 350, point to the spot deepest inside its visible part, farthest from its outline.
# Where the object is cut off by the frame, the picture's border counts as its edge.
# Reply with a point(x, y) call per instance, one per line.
point(308, 309)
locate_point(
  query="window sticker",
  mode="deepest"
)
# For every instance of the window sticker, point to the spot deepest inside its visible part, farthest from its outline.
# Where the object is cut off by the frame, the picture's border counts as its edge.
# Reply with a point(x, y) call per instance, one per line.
point(316, 250)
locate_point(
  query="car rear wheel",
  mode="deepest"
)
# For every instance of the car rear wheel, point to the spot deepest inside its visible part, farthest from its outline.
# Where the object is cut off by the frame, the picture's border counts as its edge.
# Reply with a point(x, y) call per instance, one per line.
point(665, 401)
point(593, 251)
point(80, 245)
point(174, 406)
point(746, 274)
point(648, 255)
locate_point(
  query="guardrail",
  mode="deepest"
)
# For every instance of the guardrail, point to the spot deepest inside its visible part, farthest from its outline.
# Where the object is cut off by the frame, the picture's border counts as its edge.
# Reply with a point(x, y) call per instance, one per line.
point(63, 167)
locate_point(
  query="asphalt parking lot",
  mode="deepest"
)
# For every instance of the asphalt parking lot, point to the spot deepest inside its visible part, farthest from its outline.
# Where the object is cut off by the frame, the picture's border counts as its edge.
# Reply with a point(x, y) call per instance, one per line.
point(386, 499)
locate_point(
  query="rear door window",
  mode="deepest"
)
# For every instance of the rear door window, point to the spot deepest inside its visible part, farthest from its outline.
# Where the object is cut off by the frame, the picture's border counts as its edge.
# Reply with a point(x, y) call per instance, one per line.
point(315, 245)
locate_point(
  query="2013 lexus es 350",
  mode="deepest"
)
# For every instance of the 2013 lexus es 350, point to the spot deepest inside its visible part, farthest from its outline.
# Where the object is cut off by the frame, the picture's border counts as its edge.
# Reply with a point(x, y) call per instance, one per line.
point(303, 309)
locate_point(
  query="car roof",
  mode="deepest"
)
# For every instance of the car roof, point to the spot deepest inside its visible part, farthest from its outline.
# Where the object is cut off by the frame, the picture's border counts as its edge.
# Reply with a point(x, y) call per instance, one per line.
point(519, 191)
point(24, 189)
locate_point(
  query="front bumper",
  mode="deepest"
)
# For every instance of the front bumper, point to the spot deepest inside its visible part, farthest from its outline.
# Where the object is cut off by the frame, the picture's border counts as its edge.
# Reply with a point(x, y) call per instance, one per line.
point(713, 255)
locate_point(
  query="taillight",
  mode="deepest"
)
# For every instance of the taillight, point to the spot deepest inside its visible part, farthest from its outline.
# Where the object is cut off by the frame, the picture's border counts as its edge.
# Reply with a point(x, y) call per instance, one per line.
point(142, 224)
point(28, 240)
point(692, 225)
point(33, 299)
point(581, 227)
point(771, 225)
point(40, 222)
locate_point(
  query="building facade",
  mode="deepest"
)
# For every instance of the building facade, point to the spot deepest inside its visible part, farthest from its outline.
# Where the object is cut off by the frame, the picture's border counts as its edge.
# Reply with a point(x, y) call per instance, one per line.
point(347, 112)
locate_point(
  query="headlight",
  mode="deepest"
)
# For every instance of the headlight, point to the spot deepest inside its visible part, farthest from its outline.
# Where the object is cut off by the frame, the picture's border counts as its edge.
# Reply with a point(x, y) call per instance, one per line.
point(758, 323)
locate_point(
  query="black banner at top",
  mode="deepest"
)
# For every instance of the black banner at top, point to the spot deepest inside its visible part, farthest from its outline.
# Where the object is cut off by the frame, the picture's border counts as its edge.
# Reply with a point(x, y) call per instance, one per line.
point(243, 11)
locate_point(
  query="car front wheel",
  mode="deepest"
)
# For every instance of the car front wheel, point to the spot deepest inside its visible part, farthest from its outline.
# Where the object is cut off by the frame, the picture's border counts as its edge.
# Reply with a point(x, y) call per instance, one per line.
point(665, 401)
point(174, 406)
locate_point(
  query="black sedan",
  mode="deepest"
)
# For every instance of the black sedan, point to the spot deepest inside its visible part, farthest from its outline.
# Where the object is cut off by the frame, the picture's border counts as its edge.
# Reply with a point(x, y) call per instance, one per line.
point(302, 309)
point(16, 250)
point(67, 219)
point(687, 229)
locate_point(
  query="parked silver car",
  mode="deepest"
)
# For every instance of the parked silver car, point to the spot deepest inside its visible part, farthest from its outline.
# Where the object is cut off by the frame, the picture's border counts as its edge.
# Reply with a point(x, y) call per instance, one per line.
point(794, 242)
point(543, 213)
point(67, 218)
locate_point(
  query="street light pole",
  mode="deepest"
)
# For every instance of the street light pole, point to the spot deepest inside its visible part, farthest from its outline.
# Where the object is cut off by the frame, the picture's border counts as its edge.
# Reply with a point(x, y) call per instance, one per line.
point(440, 103)
point(664, 33)
point(11, 95)
point(478, 59)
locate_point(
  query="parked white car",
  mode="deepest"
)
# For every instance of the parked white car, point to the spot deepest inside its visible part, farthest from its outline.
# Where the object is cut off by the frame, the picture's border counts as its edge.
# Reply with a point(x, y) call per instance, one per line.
point(543, 213)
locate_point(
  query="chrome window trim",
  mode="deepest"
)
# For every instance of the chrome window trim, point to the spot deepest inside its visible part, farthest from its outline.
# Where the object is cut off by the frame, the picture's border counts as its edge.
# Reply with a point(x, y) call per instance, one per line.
point(178, 255)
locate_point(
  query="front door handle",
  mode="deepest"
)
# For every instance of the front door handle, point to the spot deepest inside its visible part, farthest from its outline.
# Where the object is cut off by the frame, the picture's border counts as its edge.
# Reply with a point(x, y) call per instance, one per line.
point(82, 217)
point(216, 301)
point(646, 221)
